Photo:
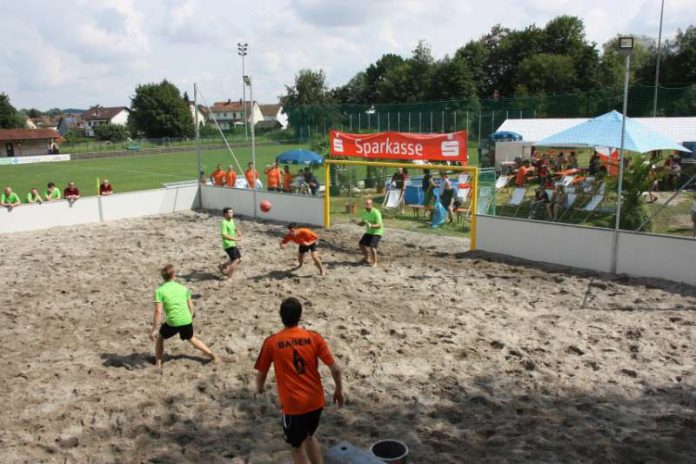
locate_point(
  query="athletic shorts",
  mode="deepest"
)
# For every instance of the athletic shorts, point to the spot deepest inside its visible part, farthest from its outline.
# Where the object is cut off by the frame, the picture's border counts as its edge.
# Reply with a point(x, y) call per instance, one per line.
point(298, 428)
point(185, 331)
point(233, 253)
point(370, 240)
point(305, 248)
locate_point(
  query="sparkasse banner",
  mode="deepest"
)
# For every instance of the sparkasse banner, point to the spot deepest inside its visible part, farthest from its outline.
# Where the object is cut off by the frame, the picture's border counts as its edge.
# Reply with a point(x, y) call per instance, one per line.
point(401, 145)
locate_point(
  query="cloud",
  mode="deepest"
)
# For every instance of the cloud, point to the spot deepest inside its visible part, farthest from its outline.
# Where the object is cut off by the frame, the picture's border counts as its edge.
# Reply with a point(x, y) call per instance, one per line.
point(79, 52)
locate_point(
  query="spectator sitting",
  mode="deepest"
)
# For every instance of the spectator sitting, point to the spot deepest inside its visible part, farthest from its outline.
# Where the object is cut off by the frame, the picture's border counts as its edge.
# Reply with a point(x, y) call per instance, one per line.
point(53, 148)
point(71, 193)
point(594, 164)
point(34, 196)
point(559, 201)
point(542, 167)
point(273, 176)
point(287, 179)
point(105, 188)
point(9, 199)
point(231, 177)
point(52, 192)
point(572, 161)
point(541, 199)
point(311, 181)
point(218, 176)
point(560, 162)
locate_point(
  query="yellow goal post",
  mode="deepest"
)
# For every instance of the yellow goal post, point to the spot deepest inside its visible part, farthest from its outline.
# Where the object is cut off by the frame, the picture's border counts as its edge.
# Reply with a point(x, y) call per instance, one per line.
point(472, 170)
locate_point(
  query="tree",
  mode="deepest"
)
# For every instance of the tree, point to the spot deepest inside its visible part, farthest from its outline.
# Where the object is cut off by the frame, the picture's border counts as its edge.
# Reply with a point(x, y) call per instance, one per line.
point(111, 132)
point(564, 35)
point(9, 118)
point(680, 58)
point(158, 110)
point(309, 88)
point(547, 74)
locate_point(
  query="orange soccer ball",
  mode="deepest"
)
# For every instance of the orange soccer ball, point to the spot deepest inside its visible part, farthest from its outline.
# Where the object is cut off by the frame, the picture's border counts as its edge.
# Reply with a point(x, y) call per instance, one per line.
point(265, 206)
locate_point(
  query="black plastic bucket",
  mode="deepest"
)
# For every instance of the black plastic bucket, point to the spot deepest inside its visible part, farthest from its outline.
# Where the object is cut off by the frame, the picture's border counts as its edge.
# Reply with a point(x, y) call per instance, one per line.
point(391, 451)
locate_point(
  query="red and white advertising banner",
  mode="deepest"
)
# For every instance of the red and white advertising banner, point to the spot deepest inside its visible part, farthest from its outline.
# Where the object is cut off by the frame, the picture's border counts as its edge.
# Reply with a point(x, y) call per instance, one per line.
point(401, 146)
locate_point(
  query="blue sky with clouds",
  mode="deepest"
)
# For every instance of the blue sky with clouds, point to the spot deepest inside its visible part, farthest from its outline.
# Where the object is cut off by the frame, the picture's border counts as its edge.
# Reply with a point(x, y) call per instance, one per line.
point(77, 53)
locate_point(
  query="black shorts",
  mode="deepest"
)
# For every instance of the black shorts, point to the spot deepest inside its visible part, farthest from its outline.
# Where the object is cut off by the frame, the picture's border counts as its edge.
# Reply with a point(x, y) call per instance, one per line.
point(185, 331)
point(233, 253)
point(370, 240)
point(305, 248)
point(297, 428)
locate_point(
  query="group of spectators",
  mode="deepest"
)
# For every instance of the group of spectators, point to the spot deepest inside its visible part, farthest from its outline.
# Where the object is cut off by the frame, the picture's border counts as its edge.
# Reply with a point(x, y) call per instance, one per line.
point(10, 199)
point(277, 180)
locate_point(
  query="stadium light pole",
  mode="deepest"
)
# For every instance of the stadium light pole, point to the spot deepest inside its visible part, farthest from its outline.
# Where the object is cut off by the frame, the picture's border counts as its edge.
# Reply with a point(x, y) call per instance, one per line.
point(242, 51)
point(657, 66)
point(247, 81)
point(625, 49)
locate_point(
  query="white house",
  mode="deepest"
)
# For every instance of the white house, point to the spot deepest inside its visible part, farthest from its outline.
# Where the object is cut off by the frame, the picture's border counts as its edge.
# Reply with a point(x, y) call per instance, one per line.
point(202, 113)
point(99, 115)
point(231, 113)
point(273, 116)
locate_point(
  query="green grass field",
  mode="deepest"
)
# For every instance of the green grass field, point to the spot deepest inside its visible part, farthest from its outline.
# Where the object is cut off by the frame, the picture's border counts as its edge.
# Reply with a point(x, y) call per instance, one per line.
point(133, 172)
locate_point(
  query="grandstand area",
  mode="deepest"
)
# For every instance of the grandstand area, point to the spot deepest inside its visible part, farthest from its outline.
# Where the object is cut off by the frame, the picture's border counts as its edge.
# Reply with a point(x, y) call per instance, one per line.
point(465, 357)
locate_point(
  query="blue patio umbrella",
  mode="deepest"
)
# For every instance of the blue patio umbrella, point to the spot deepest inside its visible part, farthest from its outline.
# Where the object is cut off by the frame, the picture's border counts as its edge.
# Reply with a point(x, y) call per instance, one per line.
point(300, 157)
point(605, 131)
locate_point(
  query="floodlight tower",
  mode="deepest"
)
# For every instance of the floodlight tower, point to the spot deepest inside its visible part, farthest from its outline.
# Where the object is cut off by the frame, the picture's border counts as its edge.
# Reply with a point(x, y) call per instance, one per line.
point(242, 51)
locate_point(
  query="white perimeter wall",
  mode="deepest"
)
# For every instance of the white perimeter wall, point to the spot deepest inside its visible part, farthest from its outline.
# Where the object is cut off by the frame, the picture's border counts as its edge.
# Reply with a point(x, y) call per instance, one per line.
point(303, 209)
point(640, 255)
point(98, 209)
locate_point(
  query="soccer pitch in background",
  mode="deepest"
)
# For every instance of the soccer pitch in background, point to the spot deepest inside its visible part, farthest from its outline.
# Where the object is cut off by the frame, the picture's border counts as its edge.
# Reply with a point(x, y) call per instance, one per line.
point(134, 172)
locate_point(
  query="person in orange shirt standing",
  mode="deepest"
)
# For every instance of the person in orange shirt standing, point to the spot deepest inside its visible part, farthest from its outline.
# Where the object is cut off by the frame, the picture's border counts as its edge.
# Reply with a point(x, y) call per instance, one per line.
point(287, 179)
point(230, 177)
point(251, 174)
point(521, 177)
point(295, 353)
point(273, 176)
point(307, 240)
point(218, 176)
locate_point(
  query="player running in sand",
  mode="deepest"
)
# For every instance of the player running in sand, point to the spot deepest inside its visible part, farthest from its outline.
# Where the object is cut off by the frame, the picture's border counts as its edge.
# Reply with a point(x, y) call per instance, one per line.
point(230, 236)
point(176, 301)
point(371, 218)
point(307, 241)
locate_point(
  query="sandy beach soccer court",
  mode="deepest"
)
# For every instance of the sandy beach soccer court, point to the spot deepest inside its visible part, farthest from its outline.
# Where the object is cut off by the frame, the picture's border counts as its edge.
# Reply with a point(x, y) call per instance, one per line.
point(465, 357)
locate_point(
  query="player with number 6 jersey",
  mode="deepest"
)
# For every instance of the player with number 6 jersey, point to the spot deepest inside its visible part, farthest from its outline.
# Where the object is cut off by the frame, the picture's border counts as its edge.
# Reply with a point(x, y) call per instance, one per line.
point(295, 353)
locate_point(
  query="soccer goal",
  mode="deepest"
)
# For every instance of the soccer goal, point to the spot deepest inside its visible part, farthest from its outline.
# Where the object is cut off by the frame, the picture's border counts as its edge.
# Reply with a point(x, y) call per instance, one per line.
point(348, 183)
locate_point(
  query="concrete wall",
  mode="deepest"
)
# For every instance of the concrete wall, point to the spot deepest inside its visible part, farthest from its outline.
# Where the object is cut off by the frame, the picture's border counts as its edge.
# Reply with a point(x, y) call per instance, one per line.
point(640, 255)
point(664, 256)
point(98, 209)
point(303, 209)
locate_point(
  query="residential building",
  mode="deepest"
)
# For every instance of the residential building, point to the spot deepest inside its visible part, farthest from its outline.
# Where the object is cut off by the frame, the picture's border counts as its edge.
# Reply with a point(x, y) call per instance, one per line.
point(26, 142)
point(202, 113)
point(273, 117)
point(99, 115)
point(231, 113)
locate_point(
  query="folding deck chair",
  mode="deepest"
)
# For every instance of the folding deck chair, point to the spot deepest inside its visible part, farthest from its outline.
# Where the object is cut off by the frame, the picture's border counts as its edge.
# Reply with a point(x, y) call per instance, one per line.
point(393, 199)
point(502, 181)
point(465, 205)
point(517, 199)
point(485, 197)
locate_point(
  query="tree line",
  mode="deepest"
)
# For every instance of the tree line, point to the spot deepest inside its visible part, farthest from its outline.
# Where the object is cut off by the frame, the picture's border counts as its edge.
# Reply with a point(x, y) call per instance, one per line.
point(505, 63)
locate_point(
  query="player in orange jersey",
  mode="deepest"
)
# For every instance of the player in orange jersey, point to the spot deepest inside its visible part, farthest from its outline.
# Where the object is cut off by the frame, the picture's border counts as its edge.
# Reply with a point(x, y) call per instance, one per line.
point(295, 354)
point(307, 240)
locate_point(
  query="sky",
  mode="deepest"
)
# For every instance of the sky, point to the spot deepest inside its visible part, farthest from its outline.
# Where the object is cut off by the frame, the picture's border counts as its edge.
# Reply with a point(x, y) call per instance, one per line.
point(79, 53)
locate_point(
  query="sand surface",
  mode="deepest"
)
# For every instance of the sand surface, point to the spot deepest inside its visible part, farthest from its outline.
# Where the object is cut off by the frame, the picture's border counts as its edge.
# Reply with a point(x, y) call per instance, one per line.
point(464, 357)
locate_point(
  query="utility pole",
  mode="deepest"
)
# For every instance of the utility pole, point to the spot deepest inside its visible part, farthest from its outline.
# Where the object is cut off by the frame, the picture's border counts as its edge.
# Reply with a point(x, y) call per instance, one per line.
point(242, 51)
